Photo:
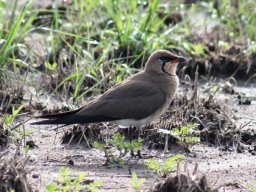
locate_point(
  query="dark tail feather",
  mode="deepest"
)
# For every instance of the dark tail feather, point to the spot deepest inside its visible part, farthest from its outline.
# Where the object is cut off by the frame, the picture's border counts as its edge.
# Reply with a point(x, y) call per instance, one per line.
point(56, 115)
point(55, 121)
point(58, 118)
point(70, 117)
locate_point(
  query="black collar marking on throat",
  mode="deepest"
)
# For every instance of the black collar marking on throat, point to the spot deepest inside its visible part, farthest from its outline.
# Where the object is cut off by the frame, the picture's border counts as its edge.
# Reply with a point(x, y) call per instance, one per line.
point(163, 65)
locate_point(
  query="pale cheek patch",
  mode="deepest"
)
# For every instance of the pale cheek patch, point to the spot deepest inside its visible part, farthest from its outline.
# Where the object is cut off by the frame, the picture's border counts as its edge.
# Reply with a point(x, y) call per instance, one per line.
point(170, 67)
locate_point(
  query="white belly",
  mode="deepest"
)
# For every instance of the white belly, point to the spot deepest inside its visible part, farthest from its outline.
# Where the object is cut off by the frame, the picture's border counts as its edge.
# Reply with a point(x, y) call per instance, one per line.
point(125, 123)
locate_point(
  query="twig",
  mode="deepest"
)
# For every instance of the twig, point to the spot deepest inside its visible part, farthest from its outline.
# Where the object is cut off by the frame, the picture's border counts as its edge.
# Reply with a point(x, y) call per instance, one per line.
point(85, 138)
point(22, 123)
point(195, 94)
point(24, 135)
point(4, 153)
point(110, 176)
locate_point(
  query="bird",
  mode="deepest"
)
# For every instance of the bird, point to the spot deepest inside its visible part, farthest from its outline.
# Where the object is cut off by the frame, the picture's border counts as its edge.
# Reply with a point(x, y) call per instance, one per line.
point(138, 100)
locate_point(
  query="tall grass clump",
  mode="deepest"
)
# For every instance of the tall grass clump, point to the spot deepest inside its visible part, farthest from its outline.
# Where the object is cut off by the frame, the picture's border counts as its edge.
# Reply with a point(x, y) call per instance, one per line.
point(237, 17)
point(12, 31)
point(240, 17)
point(135, 25)
point(98, 43)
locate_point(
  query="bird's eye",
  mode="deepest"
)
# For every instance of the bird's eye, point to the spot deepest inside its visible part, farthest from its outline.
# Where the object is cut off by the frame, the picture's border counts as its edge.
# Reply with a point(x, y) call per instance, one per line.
point(165, 59)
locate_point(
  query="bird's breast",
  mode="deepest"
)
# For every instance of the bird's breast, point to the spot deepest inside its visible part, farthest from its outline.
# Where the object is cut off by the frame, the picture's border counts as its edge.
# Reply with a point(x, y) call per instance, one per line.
point(168, 88)
point(125, 123)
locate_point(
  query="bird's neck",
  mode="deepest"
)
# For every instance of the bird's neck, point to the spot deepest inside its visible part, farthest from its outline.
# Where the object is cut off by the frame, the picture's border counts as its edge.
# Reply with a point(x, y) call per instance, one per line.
point(168, 84)
point(171, 69)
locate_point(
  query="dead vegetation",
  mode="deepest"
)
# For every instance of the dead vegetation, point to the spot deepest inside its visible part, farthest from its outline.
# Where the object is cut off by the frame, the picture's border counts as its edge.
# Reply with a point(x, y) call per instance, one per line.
point(13, 174)
point(82, 135)
point(9, 97)
point(3, 136)
point(184, 182)
point(222, 63)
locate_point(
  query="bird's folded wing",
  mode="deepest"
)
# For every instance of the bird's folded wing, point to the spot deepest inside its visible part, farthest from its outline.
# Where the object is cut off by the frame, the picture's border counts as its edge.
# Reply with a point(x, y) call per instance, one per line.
point(128, 101)
point(131, 100)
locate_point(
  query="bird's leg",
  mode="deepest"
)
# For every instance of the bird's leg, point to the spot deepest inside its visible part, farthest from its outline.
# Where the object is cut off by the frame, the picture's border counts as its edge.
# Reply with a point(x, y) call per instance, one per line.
point(139, 154)
point(166, 143)
point(130, 138)
point(138, 151)
point(135, 132)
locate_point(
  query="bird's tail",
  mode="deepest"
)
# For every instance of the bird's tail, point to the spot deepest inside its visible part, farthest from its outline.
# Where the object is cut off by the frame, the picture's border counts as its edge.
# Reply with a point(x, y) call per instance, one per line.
point(71, 117)
point(65, 118)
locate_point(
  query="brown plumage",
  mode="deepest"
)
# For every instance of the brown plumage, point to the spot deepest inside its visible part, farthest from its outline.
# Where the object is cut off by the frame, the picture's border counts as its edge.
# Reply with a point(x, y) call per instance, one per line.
point(138, 100)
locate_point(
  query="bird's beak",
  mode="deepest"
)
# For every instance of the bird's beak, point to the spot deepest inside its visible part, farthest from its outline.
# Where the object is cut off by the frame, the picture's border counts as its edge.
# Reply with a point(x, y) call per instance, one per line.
point(181, 59)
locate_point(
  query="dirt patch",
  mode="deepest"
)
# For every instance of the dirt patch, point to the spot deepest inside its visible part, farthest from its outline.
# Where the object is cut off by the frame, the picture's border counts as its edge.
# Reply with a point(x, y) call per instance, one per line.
point(221, 166)
point(226, 125)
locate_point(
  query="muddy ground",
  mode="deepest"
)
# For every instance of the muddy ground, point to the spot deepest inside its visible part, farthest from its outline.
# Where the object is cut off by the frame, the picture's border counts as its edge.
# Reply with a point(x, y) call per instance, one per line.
point(228, 170)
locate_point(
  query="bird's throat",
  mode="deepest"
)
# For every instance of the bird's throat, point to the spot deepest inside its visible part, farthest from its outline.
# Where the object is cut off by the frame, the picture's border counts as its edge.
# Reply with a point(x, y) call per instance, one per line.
point(169, 68)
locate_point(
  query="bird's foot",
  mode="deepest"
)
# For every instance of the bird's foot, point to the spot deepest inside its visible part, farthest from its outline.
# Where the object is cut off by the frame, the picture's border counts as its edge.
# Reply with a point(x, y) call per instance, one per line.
point(139, 155)
point(132, 153)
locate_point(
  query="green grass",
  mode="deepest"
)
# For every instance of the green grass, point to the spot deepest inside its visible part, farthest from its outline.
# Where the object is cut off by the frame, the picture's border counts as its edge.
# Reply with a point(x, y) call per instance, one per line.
point(237, 19)
point(11, 34)
point(92, 45)
point(100, 43)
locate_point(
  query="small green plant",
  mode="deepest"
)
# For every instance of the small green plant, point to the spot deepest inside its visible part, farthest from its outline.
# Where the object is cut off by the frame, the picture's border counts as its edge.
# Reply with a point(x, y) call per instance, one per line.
point(27, 148)
point(223, 44)
point(13, 131)
point(164, 168)
point(186, 135)
point(195, 49)
point(50, 67)
point(8, 119)
point(93, 187)
point(136, 183)
point(251, 47)
point(251, 187)
point(67, 184)
point(117, 142)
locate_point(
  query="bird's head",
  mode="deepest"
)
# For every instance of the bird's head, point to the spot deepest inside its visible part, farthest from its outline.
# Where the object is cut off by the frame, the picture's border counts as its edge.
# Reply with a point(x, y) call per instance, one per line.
point(163, 62)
